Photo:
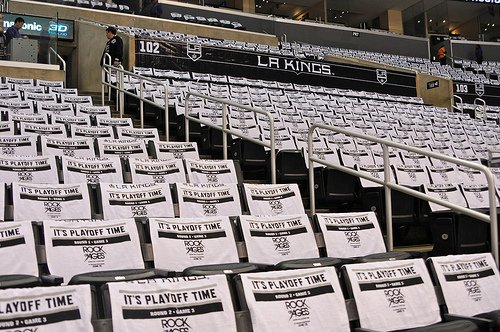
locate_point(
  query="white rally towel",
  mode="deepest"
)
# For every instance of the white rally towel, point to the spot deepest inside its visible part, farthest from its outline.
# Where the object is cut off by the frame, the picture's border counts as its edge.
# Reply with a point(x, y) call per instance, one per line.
point(6, 128)
point(205, 200)
point(157, 170)
point(295, 300)
point(71, 147)
point(50, 201)
point(17, 248)
point(36, 169)
point(353, 234)
point(477, 196)
point(193, 304)
point(92, 170)
point(447, 192)
point(176, 150)
point(211, 171)
point(179, 243)
point(136, 200)
point(52, 130)
point(79, 247)
point(273, 199)
point(272, 239)
point(18, 145)
point(46, 309)
point(79, 131)
point(123, 148)
point(470, 283)
point(411, 175)
point(393, 295)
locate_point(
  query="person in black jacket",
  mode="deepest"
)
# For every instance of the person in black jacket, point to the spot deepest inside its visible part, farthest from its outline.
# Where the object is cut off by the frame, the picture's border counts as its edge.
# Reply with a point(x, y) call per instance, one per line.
point(114, 47)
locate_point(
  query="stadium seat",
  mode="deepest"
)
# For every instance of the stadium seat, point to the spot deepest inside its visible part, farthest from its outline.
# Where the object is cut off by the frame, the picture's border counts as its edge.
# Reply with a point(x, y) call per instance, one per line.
point(208, 297)
point(139, 200)
point(397, 289)
point(287, 299)
point(64, 308)
point(205, 200)
point(72, 147)
point(91, 170)
point(85, 247)
point(156, 170)
point(36, 169)
point(123, 148)
point(180, 243)
point(50, 201)
point(211, 171)
point(271, 240)
point(467, 283)
point(273, 200)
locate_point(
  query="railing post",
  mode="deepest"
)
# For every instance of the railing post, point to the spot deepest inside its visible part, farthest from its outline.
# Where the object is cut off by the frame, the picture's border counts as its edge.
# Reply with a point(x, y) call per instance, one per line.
point(141, 103)
point(186, 112)
point(167, 131)
point(273, 150)
point(388, 199)
point(224, 126)
point(310, 153)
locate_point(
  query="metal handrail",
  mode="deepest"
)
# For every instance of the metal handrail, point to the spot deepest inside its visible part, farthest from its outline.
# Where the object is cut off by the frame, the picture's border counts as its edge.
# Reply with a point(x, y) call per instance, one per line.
point(107, 68)
point(225, 130)
point(461, 103)
point(60, 59)
point(482, 107)
point(492, 218)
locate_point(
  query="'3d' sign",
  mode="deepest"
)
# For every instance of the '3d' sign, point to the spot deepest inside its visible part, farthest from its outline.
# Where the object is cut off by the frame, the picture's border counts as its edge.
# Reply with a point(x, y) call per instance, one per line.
point(38, 26)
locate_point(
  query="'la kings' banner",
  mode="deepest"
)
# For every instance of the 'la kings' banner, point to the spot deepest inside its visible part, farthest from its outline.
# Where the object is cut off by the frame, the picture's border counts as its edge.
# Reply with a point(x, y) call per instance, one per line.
point(211, 171)
point(71, 147)
point(179, 243)
point(195, 57)
point(79, 247)
point(393, 295)
point(92, 170)
point(305, 300)
point(349, 235)
point(44, 309)
point(37, 169)
point(470, 283)
point(18, 145)
point(176, 150)
point(157, 170)
point(190, 304)
point(50, 201)
point(270, 240)
point(205, 200)
point(123, 148)
point(17, 249)
point(136, 200)
point(273, 199)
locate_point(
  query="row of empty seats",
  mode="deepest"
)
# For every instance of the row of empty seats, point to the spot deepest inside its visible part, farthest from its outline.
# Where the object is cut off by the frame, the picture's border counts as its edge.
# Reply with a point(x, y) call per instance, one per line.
point(94, 4)
point(30, 201)
point(308, 299)
point(206, 20)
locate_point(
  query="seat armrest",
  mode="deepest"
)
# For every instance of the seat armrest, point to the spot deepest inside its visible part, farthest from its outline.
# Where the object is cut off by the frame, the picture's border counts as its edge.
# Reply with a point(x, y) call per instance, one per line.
point(52, 280)
point(480, 322)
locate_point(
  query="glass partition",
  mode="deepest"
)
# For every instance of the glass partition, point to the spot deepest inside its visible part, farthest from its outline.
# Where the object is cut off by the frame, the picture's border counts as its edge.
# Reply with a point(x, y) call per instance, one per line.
point(28, 38)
